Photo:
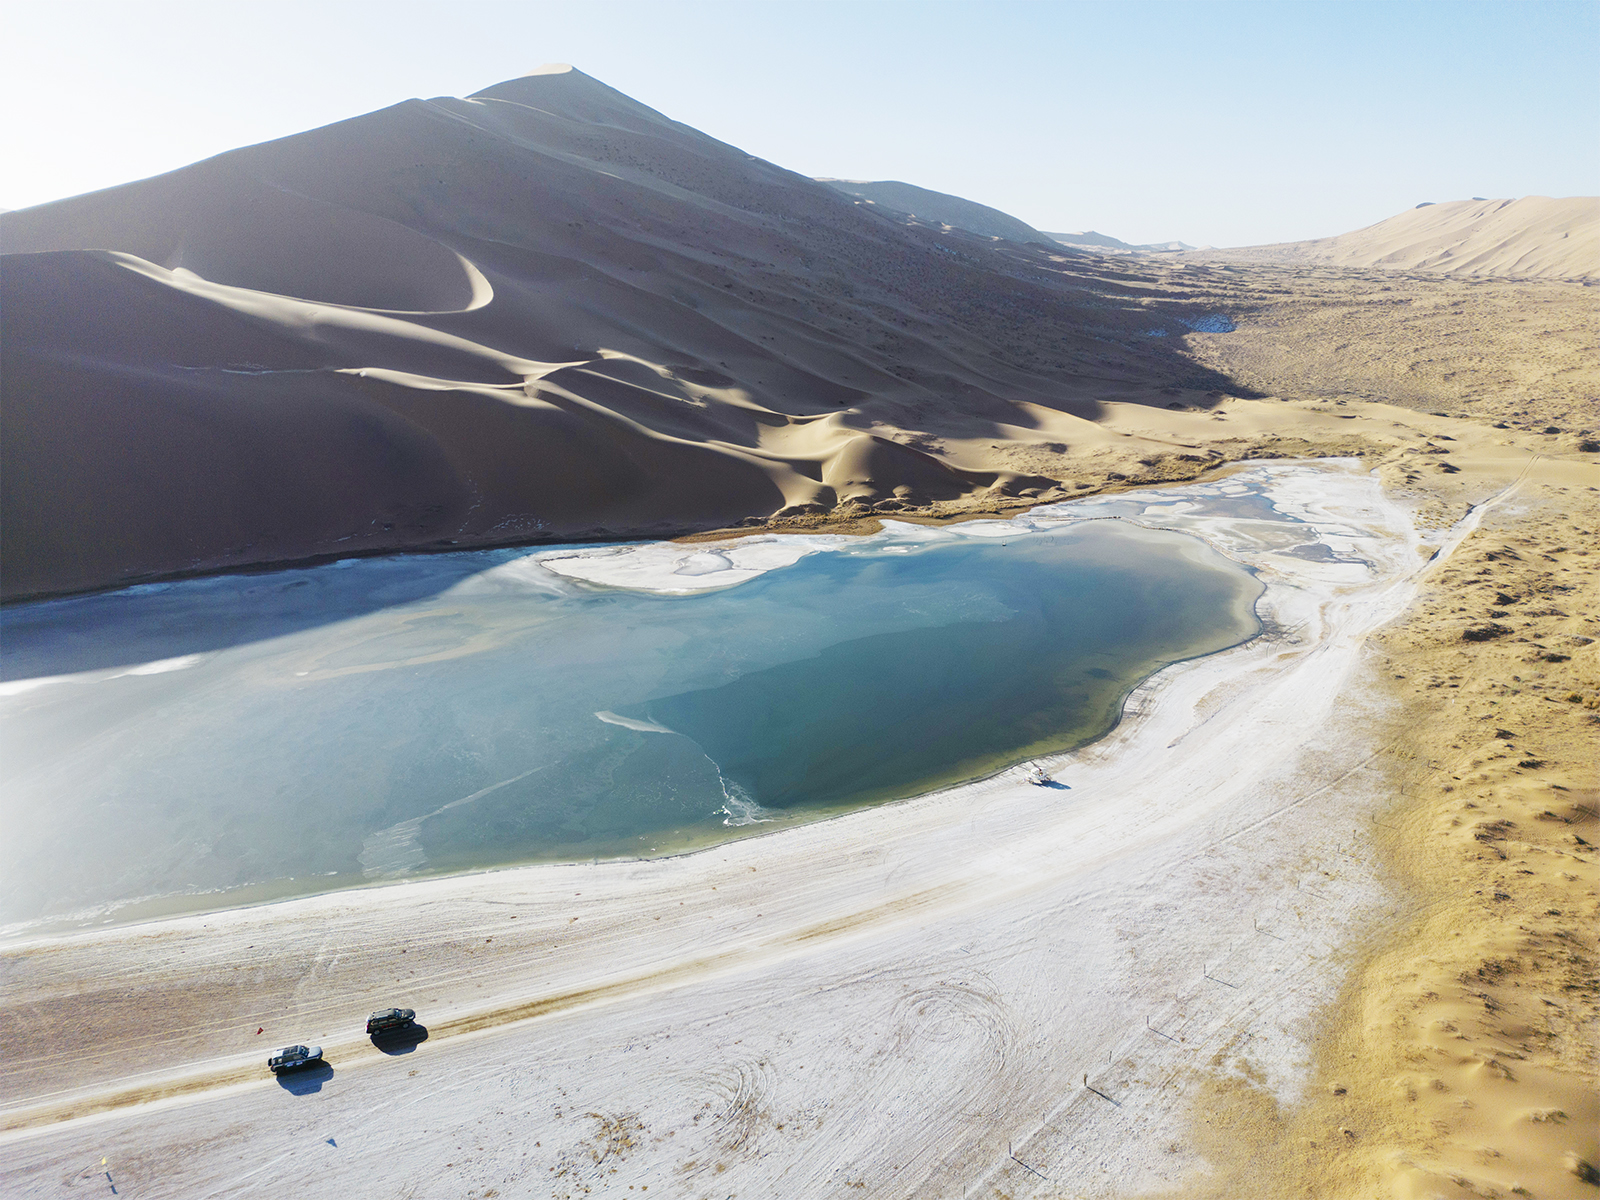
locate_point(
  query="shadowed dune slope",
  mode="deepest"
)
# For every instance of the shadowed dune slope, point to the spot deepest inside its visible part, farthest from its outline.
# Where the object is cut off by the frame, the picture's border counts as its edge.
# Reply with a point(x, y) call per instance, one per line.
point(542, 312)
point(1536, 235)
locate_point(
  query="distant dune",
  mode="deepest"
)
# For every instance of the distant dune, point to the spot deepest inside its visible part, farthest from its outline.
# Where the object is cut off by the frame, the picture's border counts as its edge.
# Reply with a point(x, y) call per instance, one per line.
point(544, 311)
point(1090, 240)
point(1533, 236)
point(939, 208)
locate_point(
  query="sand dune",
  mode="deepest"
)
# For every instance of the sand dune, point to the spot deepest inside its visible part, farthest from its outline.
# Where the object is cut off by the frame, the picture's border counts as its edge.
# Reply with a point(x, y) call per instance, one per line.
point(548, 312)
point(939, 207)
point(1105, 243)
point(544, 311)
point(1536, 236)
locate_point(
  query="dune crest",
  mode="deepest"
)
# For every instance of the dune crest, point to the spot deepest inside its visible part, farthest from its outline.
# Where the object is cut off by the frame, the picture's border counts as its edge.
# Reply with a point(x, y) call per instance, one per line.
point(545, 311)
point(938, 207)
point(1534, 236)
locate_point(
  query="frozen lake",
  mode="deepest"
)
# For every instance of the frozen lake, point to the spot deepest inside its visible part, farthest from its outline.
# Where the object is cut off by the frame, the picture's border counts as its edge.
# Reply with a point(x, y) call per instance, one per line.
point(224, 740)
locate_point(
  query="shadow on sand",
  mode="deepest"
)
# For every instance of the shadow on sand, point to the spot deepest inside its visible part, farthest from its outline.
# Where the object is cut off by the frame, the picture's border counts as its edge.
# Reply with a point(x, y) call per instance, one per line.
point(307, 1081)
point(401, 1041)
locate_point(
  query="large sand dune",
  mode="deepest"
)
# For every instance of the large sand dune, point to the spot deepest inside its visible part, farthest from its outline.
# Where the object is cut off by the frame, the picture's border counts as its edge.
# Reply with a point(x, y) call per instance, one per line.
point(543, 311)
point(1535, 235)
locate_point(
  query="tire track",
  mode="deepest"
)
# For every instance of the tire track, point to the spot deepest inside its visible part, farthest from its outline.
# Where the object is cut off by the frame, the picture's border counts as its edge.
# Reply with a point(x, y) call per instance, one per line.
point(19, 1122)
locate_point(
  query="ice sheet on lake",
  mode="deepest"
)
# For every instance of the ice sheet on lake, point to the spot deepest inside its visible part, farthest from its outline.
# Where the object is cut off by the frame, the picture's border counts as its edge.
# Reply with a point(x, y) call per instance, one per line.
point(17, 687)
point(397, 850)
point(675, 569)
point(611, 718)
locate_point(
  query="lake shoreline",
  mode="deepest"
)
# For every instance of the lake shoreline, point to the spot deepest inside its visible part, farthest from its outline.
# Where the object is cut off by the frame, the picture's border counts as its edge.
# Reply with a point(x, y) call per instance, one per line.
point(1220, 807)
point(768, 689)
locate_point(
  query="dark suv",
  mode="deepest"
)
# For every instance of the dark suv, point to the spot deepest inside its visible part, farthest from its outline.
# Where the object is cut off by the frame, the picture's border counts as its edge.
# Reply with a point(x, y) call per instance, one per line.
point(295, 1058)
point(390, 1020)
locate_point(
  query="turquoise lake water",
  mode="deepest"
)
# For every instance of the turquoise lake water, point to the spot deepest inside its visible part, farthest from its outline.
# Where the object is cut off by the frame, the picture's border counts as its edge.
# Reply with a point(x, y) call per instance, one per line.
point(221, 740)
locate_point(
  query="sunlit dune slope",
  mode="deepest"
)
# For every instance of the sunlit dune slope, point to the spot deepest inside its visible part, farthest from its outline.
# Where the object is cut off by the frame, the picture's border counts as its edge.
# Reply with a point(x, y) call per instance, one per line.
point(1536, 235)
point(939, 207)
point(543, 311)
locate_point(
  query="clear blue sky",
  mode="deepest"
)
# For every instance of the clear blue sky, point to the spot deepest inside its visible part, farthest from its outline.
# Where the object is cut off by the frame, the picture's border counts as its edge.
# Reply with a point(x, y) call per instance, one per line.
point(1220, 123)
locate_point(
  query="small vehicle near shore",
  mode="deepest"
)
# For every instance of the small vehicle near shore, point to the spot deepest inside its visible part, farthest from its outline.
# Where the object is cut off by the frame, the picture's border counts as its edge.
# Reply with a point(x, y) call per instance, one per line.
point(295, 1058)
point(391, 1020)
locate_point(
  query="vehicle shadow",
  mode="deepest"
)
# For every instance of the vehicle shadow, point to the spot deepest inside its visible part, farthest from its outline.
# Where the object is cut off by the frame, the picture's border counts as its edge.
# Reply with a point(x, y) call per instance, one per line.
point(307, 1081)
point(400, 1041)
point(1054, 786)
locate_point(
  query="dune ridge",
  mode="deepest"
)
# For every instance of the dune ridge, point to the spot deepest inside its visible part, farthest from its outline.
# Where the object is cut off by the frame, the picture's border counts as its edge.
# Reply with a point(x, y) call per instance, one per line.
point(541, 312)
point(1532, 236)
point(1104, 243)
point(939, 207)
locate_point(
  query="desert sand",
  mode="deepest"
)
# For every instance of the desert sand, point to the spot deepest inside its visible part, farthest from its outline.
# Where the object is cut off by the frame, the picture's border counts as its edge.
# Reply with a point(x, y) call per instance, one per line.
point(544, 311)
point(1530, 236)
point(1461, 1060)
point(1317, 920)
